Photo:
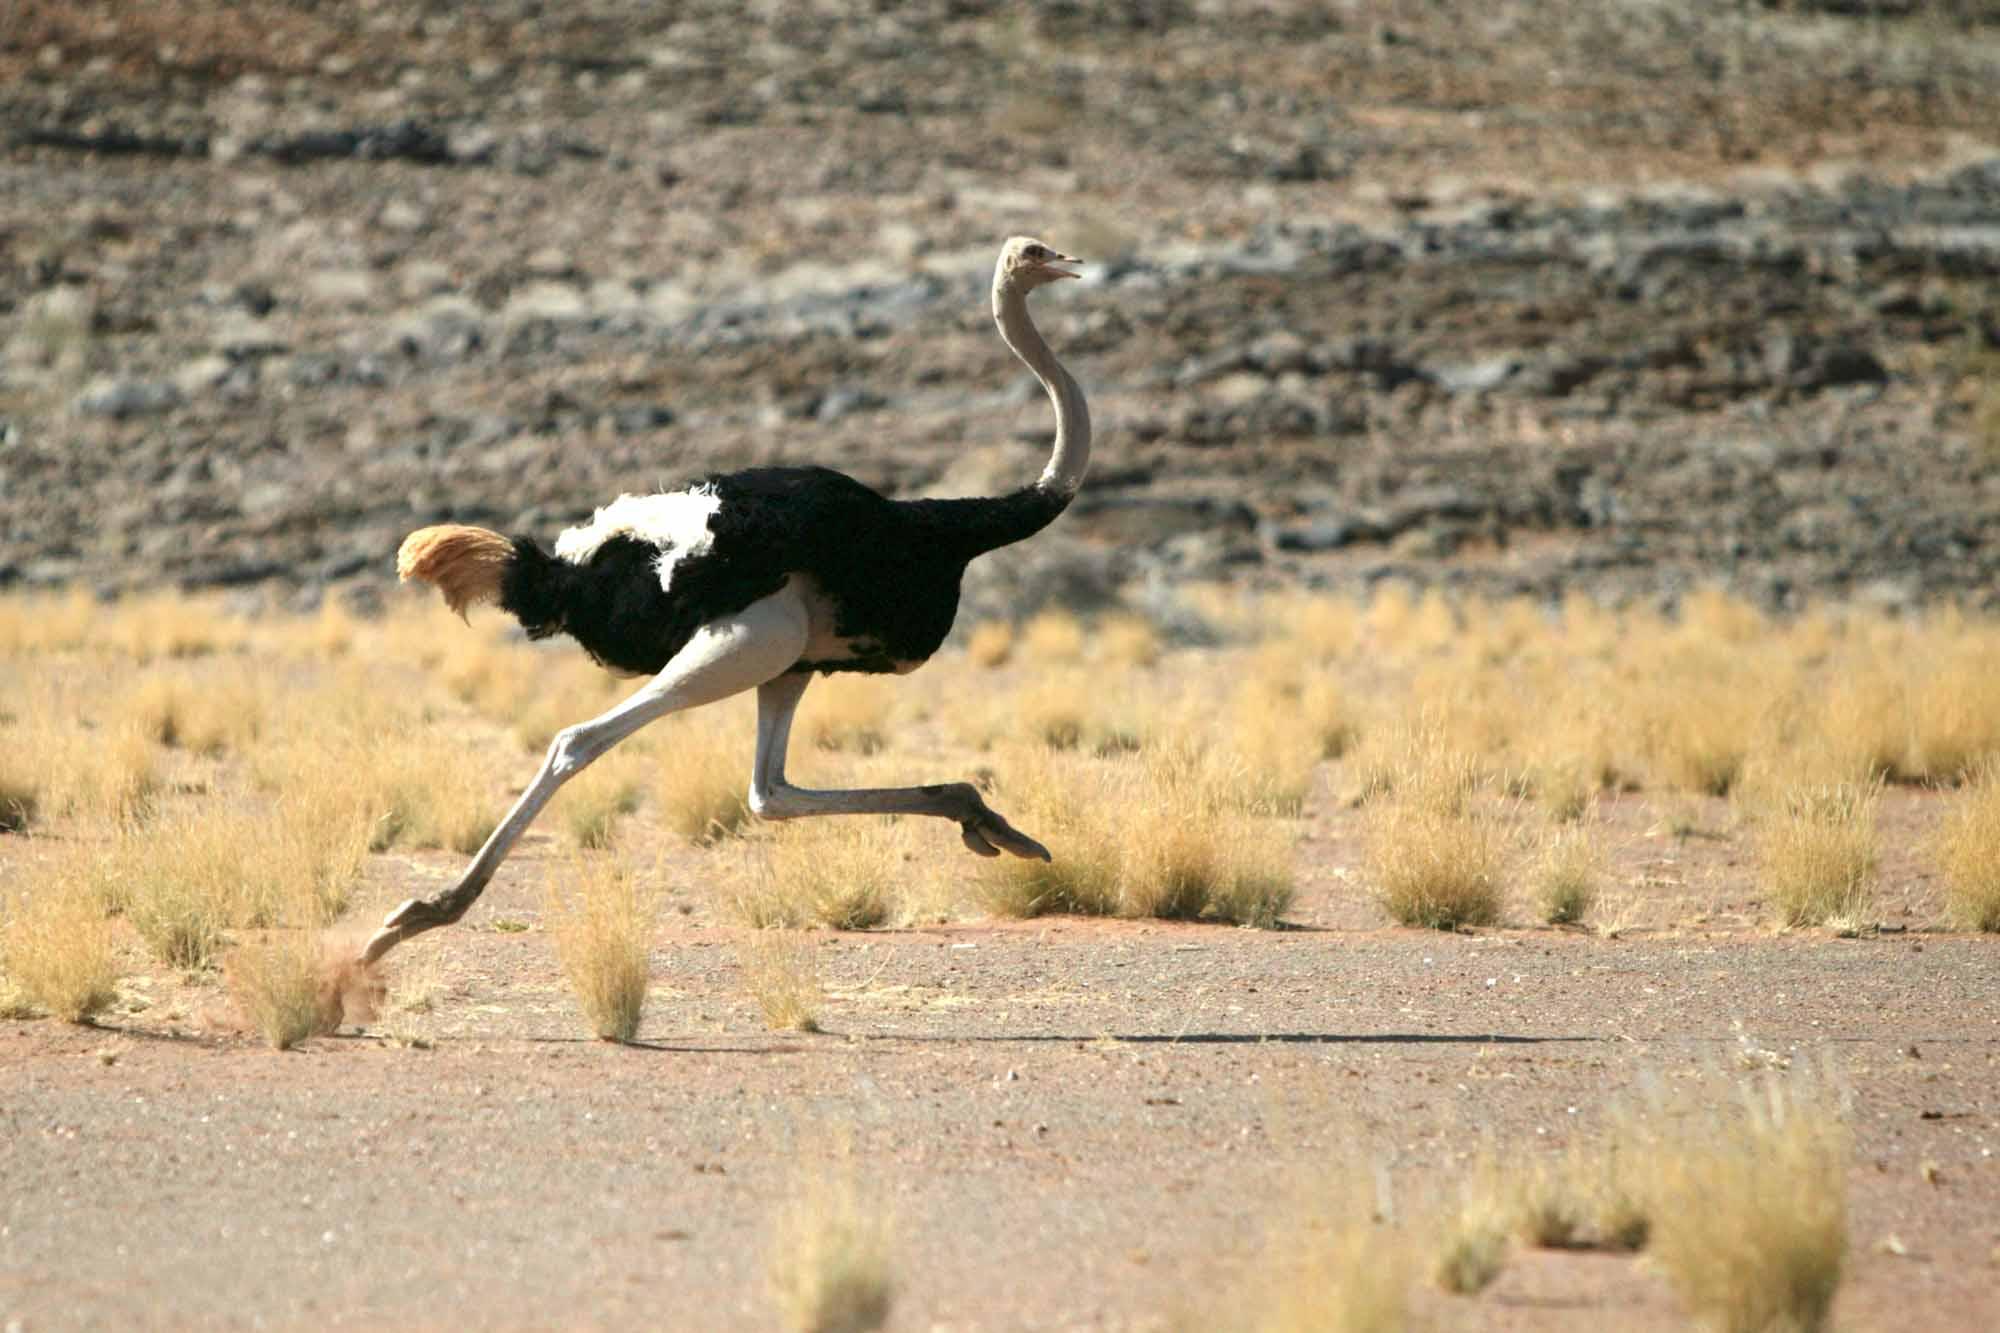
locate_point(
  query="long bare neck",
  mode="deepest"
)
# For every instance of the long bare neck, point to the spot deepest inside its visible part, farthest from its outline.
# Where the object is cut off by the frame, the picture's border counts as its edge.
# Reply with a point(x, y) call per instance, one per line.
point(1071, 455)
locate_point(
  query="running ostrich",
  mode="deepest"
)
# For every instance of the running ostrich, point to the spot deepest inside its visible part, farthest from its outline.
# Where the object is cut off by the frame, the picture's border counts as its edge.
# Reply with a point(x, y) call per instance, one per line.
point(756, 579)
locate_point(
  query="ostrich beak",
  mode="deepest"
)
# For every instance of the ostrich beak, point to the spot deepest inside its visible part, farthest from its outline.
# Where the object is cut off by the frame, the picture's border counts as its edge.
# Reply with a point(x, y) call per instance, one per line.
point(1050, 266)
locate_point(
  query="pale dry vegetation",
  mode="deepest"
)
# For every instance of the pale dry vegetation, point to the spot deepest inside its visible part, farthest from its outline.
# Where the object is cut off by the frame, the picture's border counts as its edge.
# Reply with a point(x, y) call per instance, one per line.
point(56, 944)
point(1817, 854)
point(1165, 832)
point(831, 1264)
point(781, 972)
point(282, 982)
point(210, 769)
point(602, 920)
point(1967, 848)
point(1749, 1204)
point(1436, 853)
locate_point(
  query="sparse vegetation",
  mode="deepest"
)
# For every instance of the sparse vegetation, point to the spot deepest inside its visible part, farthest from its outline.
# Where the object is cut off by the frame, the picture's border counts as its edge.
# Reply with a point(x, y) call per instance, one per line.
point(1435, 857)
point(1749, 1206)
point(781, 972)
point(55, 942)
point(1817, 855)
point(1967, 848)
point(592, 802)
point(602, 921)
point(1567, 874)
point(280, 981)
point(702, 769)
point(830, 1262)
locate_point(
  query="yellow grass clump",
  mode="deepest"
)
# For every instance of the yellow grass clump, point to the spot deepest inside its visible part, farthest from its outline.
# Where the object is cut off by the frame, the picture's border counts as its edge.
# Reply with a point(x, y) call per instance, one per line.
point(990, 644)
point(602, 921)
point(1436, 858)
point(593, 802)
point(842, 873)
point(830, 1263)
point(1568, 874)
point(1159, 834)
point(847, 711)
point(283, 983)
point(781, 972)
point(1127, 640)
point(187, 879)
point(1332, 1260)
point(1967, 849)
point(70, 757)
point(701, 764)
point(55, 942)
point(1053, 636)
point(1816, 854)
point(1749, 1210)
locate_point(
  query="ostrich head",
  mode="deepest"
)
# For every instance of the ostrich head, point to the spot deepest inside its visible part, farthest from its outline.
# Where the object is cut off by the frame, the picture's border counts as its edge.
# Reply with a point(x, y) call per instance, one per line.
point(1026, 263)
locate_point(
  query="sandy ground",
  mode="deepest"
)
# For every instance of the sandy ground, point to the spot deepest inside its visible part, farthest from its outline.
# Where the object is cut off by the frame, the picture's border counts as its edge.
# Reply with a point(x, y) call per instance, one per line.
point(1074, 1124)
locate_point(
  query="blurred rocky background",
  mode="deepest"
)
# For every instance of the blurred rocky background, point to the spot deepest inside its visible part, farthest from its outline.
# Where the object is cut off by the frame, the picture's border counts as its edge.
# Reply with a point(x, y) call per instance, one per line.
point(1614, 296)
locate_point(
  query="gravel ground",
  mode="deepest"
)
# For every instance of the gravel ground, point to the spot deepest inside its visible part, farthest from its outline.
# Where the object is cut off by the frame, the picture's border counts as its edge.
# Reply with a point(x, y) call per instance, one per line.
point(1073, 1124)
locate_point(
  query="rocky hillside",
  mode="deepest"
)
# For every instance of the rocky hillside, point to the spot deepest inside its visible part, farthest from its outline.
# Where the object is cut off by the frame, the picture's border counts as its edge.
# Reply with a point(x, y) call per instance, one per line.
point(1638, 297)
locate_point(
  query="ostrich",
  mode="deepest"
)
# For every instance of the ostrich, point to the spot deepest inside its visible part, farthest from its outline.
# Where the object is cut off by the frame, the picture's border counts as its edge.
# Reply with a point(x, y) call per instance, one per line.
point(756, 579)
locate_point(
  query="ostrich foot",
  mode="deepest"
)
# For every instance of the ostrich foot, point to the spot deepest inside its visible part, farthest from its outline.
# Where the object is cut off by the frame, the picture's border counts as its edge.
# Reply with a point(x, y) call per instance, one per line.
point(414, 917)
point(988, 833)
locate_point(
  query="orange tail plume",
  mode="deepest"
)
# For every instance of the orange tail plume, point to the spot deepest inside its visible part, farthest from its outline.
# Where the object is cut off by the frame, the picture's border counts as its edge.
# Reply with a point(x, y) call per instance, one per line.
point(466, 564)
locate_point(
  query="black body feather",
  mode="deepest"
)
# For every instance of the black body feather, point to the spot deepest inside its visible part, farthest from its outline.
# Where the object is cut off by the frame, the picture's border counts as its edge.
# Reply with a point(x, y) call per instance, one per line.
point(891, 568)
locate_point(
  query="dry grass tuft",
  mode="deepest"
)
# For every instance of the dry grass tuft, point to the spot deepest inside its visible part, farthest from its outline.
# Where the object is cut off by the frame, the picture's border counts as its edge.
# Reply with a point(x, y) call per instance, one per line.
point(603, 925)
point(845, 874)
point(1586, 1198)
point(1127, 640)
point(1750, 1209)
point(425, 794)
point(847, 712)
point(703, 767)
point(70, 762)
point(1568, 874)
point(831, 1267)
point(1334, 1264)
point(1435, 859)
point(1162, 834)
point(592, 802)
point(1053, 636)
point(781, 972)
point(187, 879)
point(1816, 854)
point(990, 644)
point(280, 981)
point(55, 943)
point(1967, 848)
point(1472, 1244)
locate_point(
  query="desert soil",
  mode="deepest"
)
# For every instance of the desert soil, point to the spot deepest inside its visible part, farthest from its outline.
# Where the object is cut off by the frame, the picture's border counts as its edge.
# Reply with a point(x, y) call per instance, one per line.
point(1073, 1124)
point(1511, 298)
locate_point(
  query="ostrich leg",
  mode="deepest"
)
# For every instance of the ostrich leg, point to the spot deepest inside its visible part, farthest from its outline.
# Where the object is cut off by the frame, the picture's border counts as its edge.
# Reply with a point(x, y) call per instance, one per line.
point(771, 797)
point(723, 658)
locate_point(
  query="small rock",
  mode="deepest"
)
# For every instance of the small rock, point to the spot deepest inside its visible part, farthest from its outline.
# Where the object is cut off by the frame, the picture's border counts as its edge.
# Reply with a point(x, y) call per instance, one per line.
point(402, 215)
point(1279, 353)
point(846, 400)
point(1477, 376)
point(202, 374)
point(108, 396)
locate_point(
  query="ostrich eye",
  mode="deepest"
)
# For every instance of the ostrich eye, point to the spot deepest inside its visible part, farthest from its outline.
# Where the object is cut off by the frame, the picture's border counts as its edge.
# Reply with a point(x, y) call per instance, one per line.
point(1037, 252)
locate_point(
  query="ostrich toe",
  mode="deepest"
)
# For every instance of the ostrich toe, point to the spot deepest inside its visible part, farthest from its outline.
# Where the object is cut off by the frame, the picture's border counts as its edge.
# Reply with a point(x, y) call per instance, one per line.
point(991, 831)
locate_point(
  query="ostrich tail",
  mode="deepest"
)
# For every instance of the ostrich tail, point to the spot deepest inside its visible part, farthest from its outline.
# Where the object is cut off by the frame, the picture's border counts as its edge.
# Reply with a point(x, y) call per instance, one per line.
point(468, 565)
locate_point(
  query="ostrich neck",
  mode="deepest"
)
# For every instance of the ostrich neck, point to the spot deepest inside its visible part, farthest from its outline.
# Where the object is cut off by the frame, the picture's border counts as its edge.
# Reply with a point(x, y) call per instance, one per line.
point(1071, 455)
